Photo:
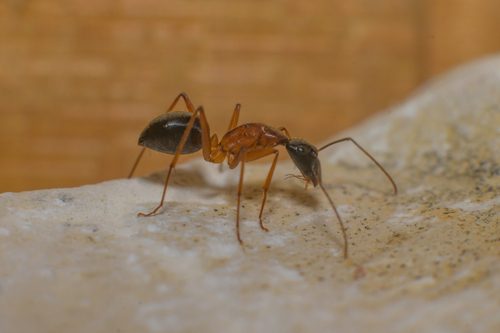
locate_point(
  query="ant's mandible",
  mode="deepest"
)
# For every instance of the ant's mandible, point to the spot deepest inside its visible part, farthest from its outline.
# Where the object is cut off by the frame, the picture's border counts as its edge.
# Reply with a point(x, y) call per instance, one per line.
point(180, 132)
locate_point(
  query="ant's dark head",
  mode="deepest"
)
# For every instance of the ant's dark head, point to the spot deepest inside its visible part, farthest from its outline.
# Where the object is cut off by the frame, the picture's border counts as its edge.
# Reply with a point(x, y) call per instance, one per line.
point(305, 157)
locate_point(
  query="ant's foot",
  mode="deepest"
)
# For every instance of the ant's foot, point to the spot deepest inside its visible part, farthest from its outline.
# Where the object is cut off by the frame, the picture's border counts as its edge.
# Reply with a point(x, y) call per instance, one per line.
point(242, 246)
point(151, 213)
point(262, 226)
point(141, 214)
point(240, 241)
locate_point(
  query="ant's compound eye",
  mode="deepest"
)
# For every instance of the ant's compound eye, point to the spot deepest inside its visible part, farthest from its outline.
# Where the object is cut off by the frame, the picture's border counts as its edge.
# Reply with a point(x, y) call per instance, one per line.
point(300, 149)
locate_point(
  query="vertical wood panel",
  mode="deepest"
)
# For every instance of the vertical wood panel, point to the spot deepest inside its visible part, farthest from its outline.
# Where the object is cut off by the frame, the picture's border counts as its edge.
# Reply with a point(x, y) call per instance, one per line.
point(460, 31)
point(79, 79)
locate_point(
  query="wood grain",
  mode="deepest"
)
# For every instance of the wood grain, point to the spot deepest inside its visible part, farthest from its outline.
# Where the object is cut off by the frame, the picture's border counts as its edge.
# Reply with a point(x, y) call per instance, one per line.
point(80, 79)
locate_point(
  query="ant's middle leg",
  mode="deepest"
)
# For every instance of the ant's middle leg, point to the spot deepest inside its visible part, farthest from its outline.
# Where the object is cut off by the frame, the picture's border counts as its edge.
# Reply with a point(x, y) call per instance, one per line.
point(232, 124)
point(240, 188)
point(234, 117)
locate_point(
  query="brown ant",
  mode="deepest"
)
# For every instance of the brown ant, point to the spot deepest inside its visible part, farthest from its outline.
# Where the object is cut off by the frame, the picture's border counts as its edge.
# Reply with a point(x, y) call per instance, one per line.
point(180, 132)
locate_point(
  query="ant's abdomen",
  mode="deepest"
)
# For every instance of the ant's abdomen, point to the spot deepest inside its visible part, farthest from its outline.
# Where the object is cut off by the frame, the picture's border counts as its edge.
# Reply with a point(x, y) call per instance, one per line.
point(164, 133)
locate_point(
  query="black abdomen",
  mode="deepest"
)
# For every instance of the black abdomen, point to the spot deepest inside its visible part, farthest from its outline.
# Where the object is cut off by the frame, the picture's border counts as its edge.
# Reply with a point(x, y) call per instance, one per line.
point(164, 133)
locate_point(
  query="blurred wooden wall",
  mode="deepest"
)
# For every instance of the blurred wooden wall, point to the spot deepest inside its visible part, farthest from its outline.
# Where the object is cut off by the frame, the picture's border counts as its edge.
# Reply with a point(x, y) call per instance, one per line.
point(79, 79)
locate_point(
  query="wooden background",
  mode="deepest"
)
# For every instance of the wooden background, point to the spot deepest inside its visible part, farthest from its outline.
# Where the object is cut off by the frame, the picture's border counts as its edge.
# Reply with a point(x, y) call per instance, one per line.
point(79, 79)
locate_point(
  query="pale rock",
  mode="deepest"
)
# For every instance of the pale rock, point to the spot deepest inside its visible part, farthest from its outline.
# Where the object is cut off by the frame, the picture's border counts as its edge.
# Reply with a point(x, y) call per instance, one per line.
point(425, 260)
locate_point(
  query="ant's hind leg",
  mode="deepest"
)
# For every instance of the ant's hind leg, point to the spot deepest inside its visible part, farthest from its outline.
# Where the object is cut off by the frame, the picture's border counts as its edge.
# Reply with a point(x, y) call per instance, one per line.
point(180, 147)
point(153, 212)
point(187, 101)
point(190, 108)
point(131, 173)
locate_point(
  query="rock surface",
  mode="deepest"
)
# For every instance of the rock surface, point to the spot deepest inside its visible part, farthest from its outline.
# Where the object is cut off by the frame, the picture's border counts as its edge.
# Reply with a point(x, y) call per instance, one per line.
point(79, 260)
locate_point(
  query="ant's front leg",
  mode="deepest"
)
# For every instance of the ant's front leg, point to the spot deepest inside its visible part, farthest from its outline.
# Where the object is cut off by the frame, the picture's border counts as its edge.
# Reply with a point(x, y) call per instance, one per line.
point(265, 187)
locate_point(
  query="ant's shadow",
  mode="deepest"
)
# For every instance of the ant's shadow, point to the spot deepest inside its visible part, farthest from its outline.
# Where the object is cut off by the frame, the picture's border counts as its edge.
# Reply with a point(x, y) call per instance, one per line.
point(194, 178)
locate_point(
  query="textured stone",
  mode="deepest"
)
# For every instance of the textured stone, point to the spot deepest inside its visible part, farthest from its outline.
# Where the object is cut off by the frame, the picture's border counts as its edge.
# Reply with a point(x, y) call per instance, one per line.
point(426, 260)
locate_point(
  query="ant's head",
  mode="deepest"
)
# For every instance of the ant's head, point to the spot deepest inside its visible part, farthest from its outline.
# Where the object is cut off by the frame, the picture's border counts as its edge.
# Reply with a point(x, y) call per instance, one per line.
point(305, 157)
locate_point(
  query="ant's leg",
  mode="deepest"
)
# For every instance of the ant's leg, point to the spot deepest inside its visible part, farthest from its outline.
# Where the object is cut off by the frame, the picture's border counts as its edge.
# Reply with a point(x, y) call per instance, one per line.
point(235, 117)
point(136, 163)
point(240, 187)
point(210, 145)
point(180, 147)
point(255, 156)
point(187, 101)
point(232, 124)
point(367, 154)
point(153, 212)
point(285, 131)
point(266, 188)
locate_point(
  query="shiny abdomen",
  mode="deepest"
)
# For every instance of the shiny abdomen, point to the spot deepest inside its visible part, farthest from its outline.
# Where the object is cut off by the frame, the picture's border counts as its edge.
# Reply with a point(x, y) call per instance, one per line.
point(164, 133)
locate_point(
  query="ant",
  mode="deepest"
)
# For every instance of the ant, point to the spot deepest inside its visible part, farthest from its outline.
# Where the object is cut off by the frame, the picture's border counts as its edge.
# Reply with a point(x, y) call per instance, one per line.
point(181, 132)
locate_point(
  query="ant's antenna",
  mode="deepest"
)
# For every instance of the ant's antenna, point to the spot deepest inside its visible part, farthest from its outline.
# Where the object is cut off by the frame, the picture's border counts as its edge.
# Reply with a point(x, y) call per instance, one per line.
point(338, 217)
point(367, 154)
